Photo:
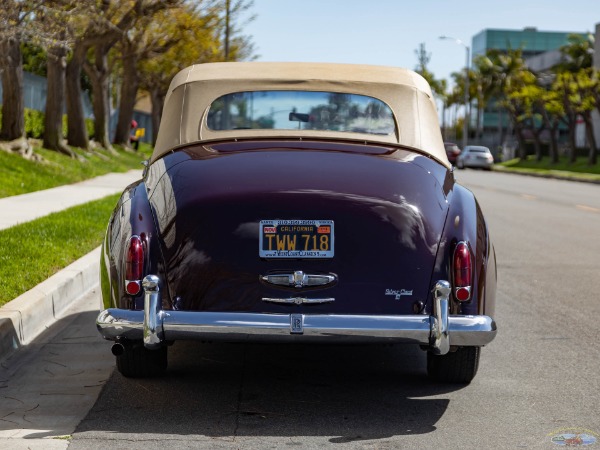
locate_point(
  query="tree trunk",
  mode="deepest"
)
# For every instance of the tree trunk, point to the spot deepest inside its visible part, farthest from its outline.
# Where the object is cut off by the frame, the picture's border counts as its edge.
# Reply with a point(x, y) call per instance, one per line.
point(521, 140)
point(589, 129)
point(552, 126)
point(518, 127)
point(13, 108)
point(129, 89)
point(479, 124)
point(76, 130)
point(537, 145)
point(500, 127)
point(157, 97)
point(98, 72)
point(554, 143)
point(573, 150)
point(53, 130)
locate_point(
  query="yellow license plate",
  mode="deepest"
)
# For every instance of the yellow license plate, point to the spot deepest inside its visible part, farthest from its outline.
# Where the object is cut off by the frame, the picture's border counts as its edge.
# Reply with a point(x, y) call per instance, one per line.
point(296, 239)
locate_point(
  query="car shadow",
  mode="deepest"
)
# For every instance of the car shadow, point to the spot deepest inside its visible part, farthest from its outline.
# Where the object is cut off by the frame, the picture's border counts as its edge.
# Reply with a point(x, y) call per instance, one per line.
point(349, 393)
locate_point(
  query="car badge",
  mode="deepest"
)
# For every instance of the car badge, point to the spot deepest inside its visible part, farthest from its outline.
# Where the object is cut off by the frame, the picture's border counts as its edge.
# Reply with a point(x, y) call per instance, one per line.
point(398, 294)
point(296, 323)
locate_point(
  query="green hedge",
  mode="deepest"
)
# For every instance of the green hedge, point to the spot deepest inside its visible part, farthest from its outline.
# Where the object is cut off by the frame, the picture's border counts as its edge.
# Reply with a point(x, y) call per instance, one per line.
point(34, 124)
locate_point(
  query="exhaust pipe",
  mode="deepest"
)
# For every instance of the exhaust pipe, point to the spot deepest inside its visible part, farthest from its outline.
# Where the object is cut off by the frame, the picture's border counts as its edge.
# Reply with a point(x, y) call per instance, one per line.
point(117, 349)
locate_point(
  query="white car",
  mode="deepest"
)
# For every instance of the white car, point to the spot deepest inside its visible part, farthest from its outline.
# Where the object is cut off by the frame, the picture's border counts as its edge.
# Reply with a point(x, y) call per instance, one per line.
point(475, 156)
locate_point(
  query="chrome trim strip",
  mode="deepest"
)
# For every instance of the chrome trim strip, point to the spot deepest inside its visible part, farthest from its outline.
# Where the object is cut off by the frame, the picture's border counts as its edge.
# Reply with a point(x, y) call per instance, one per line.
point(155, 326)
point(298, 300)
point(298, 279)
point(116, 324)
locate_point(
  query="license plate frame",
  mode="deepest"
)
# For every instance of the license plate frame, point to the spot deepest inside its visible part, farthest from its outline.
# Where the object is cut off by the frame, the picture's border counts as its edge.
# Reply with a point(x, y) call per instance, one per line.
point(296, 239)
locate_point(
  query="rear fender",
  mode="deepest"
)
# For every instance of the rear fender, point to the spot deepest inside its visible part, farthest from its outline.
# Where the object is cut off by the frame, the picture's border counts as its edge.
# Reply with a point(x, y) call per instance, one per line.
point(465, 222)
point(131, 217)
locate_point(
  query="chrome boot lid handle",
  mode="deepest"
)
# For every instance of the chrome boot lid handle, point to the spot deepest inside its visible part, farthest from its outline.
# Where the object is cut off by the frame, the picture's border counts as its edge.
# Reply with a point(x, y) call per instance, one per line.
point(299, 279)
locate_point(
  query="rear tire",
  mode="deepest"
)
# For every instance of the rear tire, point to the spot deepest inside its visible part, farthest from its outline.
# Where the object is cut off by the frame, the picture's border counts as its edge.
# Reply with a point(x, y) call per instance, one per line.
point(139, 362)
point(455, 367)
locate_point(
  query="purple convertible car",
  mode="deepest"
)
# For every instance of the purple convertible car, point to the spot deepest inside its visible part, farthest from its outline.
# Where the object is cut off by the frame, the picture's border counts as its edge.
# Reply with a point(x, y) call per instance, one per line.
point(300, 203)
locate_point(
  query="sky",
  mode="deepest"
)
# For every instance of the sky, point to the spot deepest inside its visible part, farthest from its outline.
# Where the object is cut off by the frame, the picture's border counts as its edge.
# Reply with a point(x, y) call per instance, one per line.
point(388, 32)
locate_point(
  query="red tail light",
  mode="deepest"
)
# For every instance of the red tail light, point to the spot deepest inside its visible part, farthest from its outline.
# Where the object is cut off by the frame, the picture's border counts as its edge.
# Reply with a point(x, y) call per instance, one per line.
point(134, 266)
point(462, 271)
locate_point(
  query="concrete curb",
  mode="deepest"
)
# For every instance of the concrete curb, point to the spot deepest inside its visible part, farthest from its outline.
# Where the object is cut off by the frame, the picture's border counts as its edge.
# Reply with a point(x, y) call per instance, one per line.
point(25, 317)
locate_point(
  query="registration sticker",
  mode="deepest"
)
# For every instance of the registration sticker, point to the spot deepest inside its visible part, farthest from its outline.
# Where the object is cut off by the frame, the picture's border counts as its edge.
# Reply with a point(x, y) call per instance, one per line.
point(296, 239)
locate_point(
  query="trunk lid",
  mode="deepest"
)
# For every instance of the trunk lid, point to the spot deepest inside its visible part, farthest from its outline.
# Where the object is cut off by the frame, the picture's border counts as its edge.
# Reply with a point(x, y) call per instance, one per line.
point(388, 213)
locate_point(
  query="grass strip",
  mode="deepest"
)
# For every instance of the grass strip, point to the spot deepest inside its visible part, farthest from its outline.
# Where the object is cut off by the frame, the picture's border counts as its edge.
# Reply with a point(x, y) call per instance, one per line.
point(20, 176)
point(33, 251)
point(578, 170)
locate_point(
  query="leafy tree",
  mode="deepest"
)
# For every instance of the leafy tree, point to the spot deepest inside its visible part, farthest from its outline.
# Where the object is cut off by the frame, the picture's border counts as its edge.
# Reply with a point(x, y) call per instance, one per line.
point(576, 91)
point(55, 21)
point(102, 26)
point(579, 90)
point(482, 87)
point(500, 67)
point(53, 123)
point(595, 91)
point(34, 59)
point(29, 25)
point(552, 111)
point(236, 46)
point(14, 15)
point(524, 101)
point(439, 87)
point(578, 53)
point(197, 32)
point(149, 38)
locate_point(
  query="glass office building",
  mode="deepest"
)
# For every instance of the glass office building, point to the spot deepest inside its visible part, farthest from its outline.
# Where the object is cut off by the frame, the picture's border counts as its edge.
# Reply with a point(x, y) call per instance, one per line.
point(531, 42)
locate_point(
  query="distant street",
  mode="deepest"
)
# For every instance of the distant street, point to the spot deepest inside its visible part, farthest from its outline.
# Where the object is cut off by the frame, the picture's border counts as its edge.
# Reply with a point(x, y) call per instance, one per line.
point(538, 378)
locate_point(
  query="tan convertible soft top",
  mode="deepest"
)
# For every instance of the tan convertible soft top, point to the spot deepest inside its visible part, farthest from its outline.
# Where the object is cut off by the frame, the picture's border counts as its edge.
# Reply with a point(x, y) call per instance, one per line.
point(194, 89)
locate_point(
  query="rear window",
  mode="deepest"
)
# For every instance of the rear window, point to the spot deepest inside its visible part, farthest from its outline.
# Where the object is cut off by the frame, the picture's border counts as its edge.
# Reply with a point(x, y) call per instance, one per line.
point(479, 150)
point(301, 110)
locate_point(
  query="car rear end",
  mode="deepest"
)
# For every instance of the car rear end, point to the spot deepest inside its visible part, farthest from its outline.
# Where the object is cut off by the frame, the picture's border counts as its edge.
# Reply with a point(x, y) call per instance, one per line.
point(478, 157)
point(452, 151)
point(299, 241)
point(297, 202)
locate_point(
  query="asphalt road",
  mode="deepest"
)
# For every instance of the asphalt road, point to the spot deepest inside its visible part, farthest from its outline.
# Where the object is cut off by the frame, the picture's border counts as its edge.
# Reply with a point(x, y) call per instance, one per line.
point(538, 379)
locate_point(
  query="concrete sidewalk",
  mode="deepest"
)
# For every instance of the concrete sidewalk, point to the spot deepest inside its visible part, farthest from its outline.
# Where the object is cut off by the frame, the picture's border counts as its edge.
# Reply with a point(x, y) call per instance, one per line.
point(23, 208)
point(24, 318)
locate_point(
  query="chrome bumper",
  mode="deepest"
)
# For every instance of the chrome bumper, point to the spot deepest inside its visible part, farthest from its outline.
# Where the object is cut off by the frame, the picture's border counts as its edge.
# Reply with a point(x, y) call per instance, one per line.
point(155, 326)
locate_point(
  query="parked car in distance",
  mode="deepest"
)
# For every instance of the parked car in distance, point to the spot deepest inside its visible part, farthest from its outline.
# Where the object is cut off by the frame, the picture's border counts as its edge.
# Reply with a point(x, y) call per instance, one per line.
point(476, 156)
point(452, 151)
point(300, 203)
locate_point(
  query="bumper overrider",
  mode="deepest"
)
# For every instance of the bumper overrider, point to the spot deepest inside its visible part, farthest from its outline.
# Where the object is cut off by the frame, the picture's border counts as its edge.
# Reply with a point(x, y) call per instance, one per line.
point(156, 327)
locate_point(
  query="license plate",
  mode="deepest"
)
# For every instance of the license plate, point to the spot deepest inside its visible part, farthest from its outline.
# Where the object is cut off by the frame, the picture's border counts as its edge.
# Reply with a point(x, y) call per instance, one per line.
point(296, 239)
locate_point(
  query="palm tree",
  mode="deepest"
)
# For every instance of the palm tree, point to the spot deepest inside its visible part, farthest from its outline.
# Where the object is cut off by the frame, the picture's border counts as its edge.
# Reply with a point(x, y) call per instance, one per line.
point(578, 88)
point(499, 67)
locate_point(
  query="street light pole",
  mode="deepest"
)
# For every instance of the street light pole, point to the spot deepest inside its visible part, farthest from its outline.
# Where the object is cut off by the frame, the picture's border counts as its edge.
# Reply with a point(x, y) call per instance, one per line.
point(467, 101)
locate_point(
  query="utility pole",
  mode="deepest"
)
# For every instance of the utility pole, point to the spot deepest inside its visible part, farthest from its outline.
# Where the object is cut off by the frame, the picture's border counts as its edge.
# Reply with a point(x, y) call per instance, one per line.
point(467, 101)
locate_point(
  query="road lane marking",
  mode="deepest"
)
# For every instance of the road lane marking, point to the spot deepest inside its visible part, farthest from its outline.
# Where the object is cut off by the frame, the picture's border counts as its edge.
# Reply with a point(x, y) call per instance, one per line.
point(587, 208)
point(528, 197)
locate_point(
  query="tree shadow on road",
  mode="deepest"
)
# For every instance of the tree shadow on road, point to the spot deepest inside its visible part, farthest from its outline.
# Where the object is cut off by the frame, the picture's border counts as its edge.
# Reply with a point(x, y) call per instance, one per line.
point(347, 393)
